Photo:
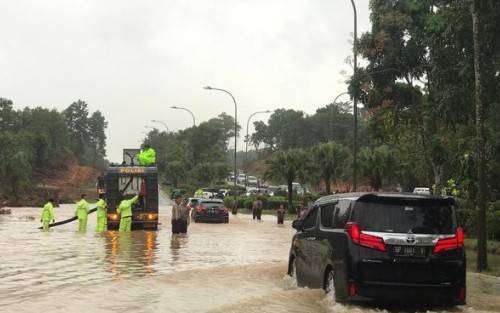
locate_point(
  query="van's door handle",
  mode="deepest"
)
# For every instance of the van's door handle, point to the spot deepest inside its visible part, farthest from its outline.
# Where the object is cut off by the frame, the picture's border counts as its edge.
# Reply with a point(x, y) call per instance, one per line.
point(311, 238)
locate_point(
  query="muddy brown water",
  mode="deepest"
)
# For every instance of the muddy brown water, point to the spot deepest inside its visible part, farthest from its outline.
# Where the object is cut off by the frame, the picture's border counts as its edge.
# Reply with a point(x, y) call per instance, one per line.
point(235, 267)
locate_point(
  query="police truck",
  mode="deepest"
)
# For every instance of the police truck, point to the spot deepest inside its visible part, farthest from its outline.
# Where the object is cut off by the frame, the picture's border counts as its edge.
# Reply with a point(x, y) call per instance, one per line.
point(125, 180)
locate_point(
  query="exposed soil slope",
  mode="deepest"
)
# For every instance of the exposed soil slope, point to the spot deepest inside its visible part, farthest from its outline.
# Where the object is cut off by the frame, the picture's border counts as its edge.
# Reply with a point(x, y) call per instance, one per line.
point(65, 184)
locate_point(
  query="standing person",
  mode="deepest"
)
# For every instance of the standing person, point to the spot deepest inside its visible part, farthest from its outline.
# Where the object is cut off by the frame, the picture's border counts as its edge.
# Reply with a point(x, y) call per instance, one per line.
point(184, 211)
point(147, 156)
point(235, 206)
point(257, 208)
point(176, 193)
point(302, 212)
point(47, 214)
point(101, 213)
point(199, 193)
point(125, 210)
point(176, 216)
point(82, 212)
point(281, 214)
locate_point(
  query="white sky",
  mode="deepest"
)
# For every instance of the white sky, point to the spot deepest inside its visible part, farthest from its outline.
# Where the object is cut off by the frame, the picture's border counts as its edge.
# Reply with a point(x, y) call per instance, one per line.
point(132, 60)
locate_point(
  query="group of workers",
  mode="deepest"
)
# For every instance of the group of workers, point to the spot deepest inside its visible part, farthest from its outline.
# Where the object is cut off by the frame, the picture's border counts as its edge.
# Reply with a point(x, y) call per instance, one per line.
point(81, 212)
point(146, 157)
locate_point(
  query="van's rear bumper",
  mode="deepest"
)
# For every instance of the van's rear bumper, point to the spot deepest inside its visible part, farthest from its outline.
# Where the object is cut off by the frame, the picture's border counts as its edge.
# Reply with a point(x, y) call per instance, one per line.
point(412, 293)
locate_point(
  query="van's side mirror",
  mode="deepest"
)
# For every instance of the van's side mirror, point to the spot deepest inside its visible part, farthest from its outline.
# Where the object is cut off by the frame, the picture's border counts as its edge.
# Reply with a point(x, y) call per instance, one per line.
point(298, 224)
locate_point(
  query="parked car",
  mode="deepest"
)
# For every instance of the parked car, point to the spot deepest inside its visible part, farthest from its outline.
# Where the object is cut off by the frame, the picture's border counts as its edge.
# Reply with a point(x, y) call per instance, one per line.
point(252, 181)
point(241, 178)
point(224, 192)
point(252, 192)
point(422, 190)
point(192, 203)
point(211, 210)
point(381, 246)
point(209, 193)
point(262, 184)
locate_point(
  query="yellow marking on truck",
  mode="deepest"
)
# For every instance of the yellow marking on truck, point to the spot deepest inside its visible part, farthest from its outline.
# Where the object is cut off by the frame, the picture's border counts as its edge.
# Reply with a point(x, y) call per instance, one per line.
point(132, 170)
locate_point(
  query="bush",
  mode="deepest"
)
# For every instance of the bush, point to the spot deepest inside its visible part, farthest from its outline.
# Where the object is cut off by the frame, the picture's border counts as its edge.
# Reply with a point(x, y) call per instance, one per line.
point(467, 216)
point(281, 193)
point(493, 221)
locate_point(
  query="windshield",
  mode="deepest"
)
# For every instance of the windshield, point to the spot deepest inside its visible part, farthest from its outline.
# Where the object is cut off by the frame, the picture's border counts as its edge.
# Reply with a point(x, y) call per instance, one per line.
point(406, 217)
point(212, 204)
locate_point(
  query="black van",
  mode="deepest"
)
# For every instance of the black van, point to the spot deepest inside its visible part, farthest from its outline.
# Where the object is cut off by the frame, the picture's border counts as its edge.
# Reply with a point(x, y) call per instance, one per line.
point(397, 247)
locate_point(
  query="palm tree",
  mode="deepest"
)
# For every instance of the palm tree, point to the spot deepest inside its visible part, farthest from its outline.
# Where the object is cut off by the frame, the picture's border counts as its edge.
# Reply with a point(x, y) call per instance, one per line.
point(328, 160)
point(287, 165)
point(377, 163)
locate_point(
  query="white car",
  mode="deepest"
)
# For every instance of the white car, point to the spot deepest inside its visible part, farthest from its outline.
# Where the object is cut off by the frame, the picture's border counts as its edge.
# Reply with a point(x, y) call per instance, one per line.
point(241, 178)
point(252, 192)
point(252, 181)
point(422, 190)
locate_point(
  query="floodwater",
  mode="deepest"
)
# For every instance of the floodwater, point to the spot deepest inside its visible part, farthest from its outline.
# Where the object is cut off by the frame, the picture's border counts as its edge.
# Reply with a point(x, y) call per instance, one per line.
point(235, 267)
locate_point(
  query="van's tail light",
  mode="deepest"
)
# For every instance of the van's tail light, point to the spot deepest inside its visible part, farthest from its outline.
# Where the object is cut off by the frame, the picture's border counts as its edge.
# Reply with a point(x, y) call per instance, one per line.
point(462, 294)
point(200, 208)
point(223, 210)
point(352, 289)
point(364, 240)
point(454, 242)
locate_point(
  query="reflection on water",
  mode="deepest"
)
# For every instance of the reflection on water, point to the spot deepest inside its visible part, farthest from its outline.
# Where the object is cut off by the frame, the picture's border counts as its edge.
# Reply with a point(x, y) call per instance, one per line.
point(130, 253)
point(235, 267)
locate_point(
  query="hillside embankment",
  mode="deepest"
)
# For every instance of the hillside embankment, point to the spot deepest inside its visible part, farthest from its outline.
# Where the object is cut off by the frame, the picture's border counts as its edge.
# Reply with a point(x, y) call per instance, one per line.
point(65, 184)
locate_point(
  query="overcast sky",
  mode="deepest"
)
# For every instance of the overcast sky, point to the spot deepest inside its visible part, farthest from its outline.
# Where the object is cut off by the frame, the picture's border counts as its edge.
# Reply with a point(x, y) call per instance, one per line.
point(132, 60)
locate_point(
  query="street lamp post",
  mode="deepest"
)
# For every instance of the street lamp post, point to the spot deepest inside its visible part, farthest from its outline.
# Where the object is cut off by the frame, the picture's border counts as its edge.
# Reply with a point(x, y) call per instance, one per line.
point(161, 123)
point(246, 138)
point(355, 104)
point(179, 108)
point(235, 133)
point(331, 113)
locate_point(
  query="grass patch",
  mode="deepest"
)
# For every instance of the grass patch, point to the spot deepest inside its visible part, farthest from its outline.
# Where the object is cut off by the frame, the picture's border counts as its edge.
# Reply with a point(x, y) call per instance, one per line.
point(493, 251)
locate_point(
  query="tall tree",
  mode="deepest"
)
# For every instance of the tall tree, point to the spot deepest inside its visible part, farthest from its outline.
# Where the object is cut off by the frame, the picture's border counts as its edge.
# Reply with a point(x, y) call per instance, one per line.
point(6, 114)
point(97, 134)
point(49, 133)
point(329, 160)
point(288, 165)
point(16, 163)
point(287, 129)
point(477, 30)
point(377, 163)
point(76, 117)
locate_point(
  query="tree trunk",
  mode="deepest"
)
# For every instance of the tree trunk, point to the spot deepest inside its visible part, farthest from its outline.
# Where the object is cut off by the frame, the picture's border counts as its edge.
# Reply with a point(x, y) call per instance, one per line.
point(482, 260)
point(328, 186)
point(438, 175)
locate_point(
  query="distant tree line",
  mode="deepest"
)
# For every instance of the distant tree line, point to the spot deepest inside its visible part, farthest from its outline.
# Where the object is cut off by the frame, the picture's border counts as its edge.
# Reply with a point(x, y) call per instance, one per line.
point(33, 140)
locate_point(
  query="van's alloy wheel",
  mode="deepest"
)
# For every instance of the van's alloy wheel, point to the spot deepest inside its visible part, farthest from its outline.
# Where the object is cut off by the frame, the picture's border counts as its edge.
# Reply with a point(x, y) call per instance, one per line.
point(330, 283)
point(293, 270)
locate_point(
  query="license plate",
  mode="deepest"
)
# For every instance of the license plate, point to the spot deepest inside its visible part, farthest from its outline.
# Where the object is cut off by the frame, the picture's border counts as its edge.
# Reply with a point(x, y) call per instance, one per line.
point(409, 251)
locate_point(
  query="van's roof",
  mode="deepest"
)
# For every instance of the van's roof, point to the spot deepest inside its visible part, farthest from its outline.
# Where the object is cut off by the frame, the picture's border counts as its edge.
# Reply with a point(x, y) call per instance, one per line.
point(393, 195)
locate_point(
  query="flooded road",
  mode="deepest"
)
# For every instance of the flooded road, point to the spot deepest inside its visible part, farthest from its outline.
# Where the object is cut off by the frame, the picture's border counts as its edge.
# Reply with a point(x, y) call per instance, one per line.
point(235, 267)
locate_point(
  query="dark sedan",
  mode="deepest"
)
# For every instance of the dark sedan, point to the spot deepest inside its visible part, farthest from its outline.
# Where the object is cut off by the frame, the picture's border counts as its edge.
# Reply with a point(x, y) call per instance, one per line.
point(211, 210)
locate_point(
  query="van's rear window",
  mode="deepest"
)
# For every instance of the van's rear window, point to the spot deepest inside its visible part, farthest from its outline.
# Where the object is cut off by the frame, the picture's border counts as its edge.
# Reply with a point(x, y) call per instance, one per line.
point(405, 217)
